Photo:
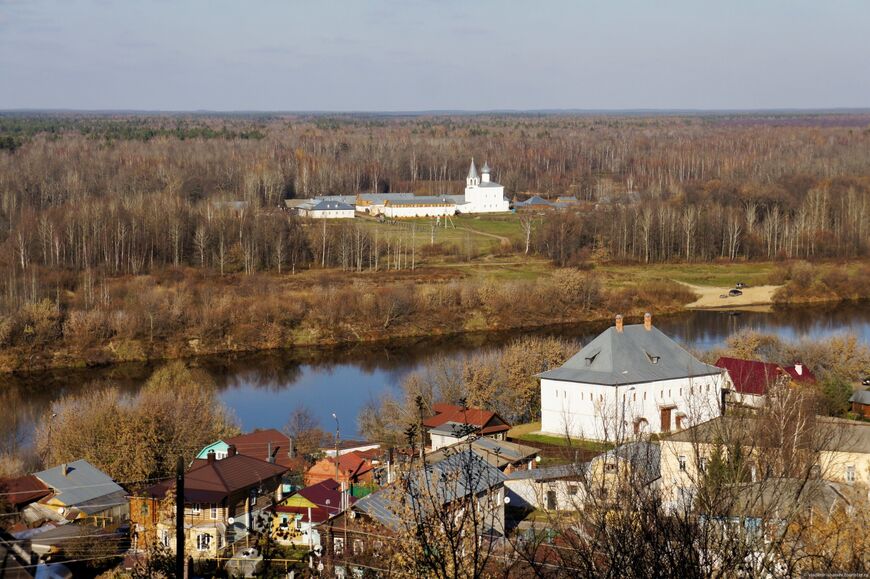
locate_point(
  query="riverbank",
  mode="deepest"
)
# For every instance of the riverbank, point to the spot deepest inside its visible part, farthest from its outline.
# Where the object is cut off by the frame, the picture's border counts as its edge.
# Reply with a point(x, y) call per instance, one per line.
point(183, 314)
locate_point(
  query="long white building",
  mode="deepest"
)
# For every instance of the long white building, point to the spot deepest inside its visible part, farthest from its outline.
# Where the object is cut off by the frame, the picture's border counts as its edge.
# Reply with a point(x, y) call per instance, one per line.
point(629, 380)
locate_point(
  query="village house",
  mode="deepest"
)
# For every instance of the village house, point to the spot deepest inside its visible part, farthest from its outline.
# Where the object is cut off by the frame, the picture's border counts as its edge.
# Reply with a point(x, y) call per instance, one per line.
point(502, 454)
point(452, 423)
point(223, 501)
point(860, 401)
point(566, 487)
point(16, 494)
point(842, 447)
point(269, 445)
point(351, 469)
point(360, 533)
point(629, 380)
point(749, 380)
point(534, 203)
point(298, 516)
point(79, 492)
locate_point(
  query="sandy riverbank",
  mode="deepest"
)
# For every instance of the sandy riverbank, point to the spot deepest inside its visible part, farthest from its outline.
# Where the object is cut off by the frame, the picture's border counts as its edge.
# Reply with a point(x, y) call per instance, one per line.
point(709, 297)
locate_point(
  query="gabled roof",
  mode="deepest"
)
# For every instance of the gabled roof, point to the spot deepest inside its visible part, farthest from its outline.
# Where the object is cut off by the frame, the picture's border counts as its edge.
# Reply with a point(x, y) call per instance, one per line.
point(534, 200)
point(212, 481)
point(461, 474)
point(78, 482)
point(483, 420)
point(22, 490)
point(498, 453)
point(633, 356)
point(751, 376)
point(324, 498)
point(861, 397)
point(324, 205)
point(258, 444)
point(353, 463)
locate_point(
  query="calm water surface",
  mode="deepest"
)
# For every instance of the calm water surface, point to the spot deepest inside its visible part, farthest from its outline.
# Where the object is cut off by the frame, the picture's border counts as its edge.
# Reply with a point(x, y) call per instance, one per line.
point(264, 388)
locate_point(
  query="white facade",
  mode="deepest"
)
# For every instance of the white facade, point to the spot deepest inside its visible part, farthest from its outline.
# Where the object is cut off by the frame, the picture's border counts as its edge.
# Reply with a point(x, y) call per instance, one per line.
point(482, 195)
point(595, 411)
point(326, 213)
point(401, 210)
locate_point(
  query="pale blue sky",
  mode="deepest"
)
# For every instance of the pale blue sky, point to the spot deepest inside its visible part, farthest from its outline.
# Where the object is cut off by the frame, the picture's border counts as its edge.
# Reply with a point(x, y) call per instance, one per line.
point(390, 55)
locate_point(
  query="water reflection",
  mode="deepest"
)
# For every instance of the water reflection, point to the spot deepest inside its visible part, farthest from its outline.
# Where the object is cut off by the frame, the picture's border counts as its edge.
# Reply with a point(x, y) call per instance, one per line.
point(263, 388)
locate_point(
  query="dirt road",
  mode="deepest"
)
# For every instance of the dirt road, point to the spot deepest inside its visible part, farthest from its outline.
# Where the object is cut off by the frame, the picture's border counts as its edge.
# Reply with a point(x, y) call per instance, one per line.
point(710, 297)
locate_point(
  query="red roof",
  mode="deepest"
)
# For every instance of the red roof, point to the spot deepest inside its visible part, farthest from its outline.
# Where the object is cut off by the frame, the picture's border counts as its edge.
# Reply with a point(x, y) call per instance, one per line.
point(23, 490)
point(484, 420)
point(805, 375)
point(213, 481)
point(353, 463)
point(751, 376)
point(326, 495)
point(257, 444)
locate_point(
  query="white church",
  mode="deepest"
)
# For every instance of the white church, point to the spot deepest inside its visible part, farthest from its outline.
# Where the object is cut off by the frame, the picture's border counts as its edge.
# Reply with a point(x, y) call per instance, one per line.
point(482, 194)
point(630, 380)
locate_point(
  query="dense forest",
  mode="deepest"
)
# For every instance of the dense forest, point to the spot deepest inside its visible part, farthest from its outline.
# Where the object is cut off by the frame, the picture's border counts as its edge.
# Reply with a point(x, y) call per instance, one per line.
point(98, 211)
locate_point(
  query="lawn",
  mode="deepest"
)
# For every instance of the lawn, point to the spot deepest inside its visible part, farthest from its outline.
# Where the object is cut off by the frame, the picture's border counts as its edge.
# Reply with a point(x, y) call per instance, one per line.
point(531, 433)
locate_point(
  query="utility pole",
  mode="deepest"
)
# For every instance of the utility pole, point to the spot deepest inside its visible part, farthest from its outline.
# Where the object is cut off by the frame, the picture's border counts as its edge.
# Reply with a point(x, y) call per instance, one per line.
point(179, 518)
point(337, 434)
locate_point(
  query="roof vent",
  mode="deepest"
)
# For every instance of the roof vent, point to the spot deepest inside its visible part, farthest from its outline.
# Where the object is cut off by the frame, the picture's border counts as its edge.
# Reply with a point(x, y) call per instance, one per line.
point(619, 323)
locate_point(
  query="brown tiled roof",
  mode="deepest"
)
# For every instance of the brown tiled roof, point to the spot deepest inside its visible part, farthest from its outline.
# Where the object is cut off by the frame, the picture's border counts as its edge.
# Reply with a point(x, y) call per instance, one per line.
point(476, 417)
point(213, 481)
point(256, 444)
point(23, 490)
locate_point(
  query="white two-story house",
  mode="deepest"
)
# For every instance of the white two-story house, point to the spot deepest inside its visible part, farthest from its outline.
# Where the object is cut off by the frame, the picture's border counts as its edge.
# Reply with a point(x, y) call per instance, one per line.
point(629, 380)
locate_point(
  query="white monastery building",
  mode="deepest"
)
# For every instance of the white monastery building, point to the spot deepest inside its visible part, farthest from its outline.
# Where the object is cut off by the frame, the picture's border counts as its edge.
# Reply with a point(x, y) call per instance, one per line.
point(629, 380)
point(482, 195)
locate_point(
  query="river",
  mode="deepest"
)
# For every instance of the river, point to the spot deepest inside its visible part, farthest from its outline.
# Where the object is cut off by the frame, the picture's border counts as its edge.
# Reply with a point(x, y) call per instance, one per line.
point(262, 389)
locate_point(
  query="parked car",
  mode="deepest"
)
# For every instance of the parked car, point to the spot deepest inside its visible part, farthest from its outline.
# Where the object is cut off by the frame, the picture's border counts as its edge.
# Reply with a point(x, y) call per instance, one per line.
point(866, 381)
point(735, 292)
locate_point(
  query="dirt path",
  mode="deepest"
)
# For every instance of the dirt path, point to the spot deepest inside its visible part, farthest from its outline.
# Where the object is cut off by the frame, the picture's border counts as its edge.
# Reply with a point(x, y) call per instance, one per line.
point(709, 297)
point(504, 240)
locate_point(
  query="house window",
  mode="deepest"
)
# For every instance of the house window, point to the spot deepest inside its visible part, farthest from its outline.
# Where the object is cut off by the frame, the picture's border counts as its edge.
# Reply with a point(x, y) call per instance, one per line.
point(644, 395)
point(203, 542)
point(164, 537)
point(850, 473)
point(358, 547)
point(195, 509)
point(339, 546)
point(572, 489)
point(298, 523)
point(682, 461)
point(220, 541)
point(702, 464)
point(634, 397)
point(213, 511)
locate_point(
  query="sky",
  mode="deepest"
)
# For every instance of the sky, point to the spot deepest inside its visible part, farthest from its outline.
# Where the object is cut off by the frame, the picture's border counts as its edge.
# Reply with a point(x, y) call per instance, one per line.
point(412, 55)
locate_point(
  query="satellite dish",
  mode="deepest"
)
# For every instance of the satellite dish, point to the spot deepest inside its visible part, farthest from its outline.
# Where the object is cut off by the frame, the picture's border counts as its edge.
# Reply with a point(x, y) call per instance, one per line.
point(61, 510)
point(507, 500)
point(231, 520)
point(351, 514)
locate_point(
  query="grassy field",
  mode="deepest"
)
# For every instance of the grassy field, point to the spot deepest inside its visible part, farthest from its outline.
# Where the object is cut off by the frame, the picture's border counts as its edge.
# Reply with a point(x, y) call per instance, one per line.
point(712, 274)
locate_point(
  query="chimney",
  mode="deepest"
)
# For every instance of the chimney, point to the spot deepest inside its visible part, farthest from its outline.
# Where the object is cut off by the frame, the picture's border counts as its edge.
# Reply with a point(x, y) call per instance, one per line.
point(64, 469)
point(269, 457)
point(799, 368)
point(210, 456)
point(647, 321)
point(231, 450)
point(619, 323)
point(291, 449)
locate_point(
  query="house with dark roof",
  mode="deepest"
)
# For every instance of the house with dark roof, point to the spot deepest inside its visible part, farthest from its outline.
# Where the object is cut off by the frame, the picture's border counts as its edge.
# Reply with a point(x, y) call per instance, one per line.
point(749, 380)
point(860, 401)
point(19, 492)
point(414, 502)
point(326, 209)
point(223, 501)
point(534, 203)
point(268, 444)
point(452, 423)
point(629, 379)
